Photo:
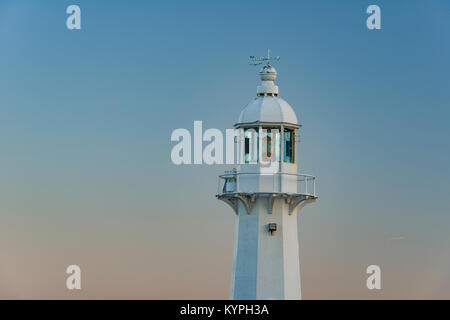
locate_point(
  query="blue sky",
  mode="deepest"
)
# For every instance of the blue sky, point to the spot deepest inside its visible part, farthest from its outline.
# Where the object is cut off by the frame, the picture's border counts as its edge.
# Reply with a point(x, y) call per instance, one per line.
point(86, 118)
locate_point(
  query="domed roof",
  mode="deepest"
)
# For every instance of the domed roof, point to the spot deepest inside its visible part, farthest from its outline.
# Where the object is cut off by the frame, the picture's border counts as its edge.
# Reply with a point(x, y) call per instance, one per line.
point(268, 109)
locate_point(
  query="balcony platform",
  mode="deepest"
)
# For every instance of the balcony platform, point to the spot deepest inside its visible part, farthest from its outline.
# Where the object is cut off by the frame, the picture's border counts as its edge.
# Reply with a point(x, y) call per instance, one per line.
point(231, 192)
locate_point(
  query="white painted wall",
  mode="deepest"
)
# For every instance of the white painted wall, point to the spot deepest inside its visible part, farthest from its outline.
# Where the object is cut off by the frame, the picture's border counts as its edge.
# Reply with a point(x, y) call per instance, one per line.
point(266, 266)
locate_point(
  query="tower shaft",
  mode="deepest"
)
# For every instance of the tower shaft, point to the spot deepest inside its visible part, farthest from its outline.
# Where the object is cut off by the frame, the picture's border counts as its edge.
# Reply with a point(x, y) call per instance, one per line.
point(266, 264)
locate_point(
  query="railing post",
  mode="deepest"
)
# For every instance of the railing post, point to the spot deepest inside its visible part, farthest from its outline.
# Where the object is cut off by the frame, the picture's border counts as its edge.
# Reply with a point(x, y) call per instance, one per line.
point(306, 184)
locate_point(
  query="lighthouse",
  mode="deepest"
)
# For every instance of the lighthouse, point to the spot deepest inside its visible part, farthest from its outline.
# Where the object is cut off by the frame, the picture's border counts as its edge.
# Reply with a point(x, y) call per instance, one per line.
point(266, 192)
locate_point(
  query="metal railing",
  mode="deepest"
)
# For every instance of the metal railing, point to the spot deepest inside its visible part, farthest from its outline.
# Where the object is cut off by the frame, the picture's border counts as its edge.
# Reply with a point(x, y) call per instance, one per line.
point(245, 182)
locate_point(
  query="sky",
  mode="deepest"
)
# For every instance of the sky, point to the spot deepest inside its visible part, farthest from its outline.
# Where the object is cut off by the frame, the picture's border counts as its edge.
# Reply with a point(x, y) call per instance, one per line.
point(86, 118)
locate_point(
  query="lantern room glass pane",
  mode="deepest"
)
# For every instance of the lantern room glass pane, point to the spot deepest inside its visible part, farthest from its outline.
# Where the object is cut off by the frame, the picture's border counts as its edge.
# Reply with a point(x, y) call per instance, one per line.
point(251, 148)
point(271, 144)
point(289, 146)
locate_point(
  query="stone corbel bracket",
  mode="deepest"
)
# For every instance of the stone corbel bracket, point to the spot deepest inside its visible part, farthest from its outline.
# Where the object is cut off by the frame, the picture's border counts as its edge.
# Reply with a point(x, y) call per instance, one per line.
point(295, 201)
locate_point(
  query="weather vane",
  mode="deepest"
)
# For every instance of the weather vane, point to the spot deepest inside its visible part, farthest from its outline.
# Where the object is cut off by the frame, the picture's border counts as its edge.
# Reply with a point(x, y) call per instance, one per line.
point(254, 61)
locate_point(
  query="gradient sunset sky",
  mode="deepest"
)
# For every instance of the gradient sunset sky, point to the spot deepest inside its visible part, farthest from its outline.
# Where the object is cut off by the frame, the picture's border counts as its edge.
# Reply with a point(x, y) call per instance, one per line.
point(86, 118)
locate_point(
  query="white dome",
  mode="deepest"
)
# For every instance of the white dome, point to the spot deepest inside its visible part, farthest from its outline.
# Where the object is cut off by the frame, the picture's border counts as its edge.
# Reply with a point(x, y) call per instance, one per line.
point(268, 73)
point(268, 109)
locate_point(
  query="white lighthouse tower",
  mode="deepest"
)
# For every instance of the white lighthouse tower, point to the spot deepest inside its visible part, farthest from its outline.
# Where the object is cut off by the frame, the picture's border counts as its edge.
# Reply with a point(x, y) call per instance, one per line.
point(266, 192)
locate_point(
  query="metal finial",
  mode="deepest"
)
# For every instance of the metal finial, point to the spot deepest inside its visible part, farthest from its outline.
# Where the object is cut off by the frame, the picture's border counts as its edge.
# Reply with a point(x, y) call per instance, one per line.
point(254, 61)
